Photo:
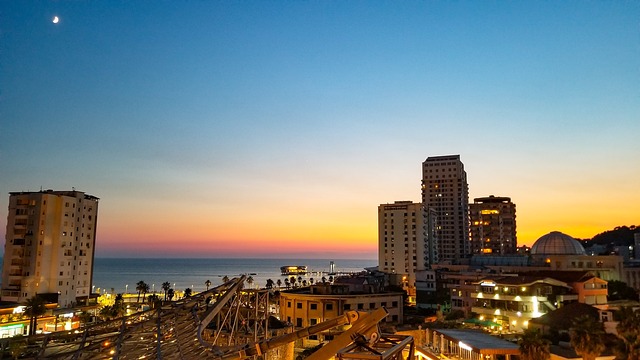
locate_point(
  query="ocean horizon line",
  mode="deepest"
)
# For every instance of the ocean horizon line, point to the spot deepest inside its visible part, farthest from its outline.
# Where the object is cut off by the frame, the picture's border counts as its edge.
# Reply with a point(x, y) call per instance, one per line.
point(231, 258)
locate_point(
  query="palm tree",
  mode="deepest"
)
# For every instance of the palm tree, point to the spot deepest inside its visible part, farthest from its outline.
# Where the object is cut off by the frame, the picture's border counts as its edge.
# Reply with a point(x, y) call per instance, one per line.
point(330, 278)
point(287, 284)
point(269, 284)
point(118, 306)
point(293, 280)
point(225, 279)
point(629, 332)
point(311, 281)
point(533, 346)
point(304, 282)
point(207, 284)
point(165, 287)
point(145, 290)
point(16, 348)
point(279, 283)
point(170, 294)
point(187, 292)
point(34, 307)
point(140, 288)
point(586, 337)
point(324, 280)
point(300, 280)
point(250, 280)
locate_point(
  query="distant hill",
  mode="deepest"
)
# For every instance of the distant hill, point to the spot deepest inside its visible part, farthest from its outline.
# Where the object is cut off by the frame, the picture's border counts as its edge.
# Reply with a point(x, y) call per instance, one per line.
point(619, 236)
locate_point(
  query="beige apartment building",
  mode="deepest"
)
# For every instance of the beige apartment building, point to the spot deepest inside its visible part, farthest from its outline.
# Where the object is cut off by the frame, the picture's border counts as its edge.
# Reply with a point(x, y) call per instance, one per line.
point(401, 243)
point(49, 246)
point(493, 225)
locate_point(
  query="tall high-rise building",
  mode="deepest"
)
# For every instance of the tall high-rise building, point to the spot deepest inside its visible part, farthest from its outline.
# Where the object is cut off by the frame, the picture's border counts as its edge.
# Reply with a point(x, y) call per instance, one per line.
point(49, 246)
point(401, 243)
point(493, 225)
point(445, 193)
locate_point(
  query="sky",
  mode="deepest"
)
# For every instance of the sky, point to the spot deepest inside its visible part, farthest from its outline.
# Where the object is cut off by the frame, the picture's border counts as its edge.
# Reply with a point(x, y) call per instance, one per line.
point(276, 128)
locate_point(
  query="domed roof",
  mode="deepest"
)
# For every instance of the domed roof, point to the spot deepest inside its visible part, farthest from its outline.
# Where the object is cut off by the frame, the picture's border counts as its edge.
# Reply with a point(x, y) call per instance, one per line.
point(557, 243)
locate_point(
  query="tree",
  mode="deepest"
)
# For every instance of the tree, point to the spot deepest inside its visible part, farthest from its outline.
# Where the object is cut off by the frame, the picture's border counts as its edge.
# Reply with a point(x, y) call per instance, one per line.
point(304, 282)
point(34, 308)
point(119, 304)
point(269, 284)
point(311, 281)
point(207, 284)
point(225, 279)
point(170, 294)
point(324, 280)
point(586, 337)
point(533, 346)
point(279, 283)
point(287, 284)
point(331, 278)
point(140, 286)
point(145, 290)
point(16, 348)
point(187, 292)
point(629, 332)
point(619, 290)
point(165, 287)
point(293, 280)
point(250, 280)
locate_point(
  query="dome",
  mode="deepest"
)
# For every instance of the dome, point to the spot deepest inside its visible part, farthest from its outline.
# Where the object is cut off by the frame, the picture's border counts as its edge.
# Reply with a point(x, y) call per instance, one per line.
point(557, 243)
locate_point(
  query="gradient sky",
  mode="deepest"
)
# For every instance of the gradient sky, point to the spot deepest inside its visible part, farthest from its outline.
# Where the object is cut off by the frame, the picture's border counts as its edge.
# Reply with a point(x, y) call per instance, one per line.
point(276, 128)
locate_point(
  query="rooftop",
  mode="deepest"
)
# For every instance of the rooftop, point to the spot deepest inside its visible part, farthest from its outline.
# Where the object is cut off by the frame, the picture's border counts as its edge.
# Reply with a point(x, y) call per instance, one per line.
point(481, 342)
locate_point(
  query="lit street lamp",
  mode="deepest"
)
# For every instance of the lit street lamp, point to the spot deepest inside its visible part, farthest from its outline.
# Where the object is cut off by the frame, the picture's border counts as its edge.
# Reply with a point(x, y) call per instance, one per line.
point(126, 289)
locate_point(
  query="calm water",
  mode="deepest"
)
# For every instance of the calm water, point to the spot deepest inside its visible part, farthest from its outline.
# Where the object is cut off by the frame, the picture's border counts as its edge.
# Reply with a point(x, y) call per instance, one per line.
point(117, 273)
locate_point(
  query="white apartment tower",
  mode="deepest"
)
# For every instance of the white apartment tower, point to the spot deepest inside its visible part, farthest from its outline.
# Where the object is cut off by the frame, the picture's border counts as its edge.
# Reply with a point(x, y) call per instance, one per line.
point(401, 244)
point(445, 192)
point(49, 245)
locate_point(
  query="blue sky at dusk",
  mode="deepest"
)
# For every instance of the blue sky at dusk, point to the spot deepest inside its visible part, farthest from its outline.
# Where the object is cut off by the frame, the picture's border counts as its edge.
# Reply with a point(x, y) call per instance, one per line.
point(267, 128)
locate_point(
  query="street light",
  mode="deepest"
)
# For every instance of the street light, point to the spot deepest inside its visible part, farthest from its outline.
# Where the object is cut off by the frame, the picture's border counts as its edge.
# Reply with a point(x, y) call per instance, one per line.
point(153, 288)
point(126, 289)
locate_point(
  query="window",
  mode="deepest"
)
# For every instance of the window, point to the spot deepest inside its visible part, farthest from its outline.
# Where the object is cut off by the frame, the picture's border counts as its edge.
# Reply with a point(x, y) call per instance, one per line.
point(288, 304)
point(313, 307)
point(299, 322)
point(347, 307)
point(299, 305)
point(329, 306)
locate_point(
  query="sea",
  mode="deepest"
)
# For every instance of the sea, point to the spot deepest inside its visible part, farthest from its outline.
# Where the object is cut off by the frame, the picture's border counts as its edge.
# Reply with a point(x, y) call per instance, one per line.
point(117, 275)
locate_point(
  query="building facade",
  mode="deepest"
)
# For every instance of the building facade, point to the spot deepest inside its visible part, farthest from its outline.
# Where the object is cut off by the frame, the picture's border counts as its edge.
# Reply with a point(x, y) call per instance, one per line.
point(315, 304)
point(49, 246)
point(401, 244)
point(445, 190)
point(493, 225)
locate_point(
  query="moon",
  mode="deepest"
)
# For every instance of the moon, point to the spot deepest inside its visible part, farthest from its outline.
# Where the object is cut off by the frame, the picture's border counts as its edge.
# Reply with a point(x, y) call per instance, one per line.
point(56, 20)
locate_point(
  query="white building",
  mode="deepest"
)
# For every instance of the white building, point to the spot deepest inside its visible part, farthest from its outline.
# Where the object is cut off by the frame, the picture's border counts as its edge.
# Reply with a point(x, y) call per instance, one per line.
point(49, 245)
point(401, 245)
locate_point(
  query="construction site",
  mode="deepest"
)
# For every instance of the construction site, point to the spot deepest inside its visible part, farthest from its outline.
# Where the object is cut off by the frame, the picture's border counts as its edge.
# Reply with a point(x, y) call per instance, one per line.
point(225, 322)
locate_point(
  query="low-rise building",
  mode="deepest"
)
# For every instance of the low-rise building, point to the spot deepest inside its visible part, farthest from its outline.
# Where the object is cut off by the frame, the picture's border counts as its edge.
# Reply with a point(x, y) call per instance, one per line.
point(512, 301)
point(303, 307)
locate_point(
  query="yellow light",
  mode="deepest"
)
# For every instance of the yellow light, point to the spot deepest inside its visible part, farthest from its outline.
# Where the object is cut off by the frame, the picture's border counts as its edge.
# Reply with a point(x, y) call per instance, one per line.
point(514, 323)
point(489, 212)
point(481, 317)
point(526, 323)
